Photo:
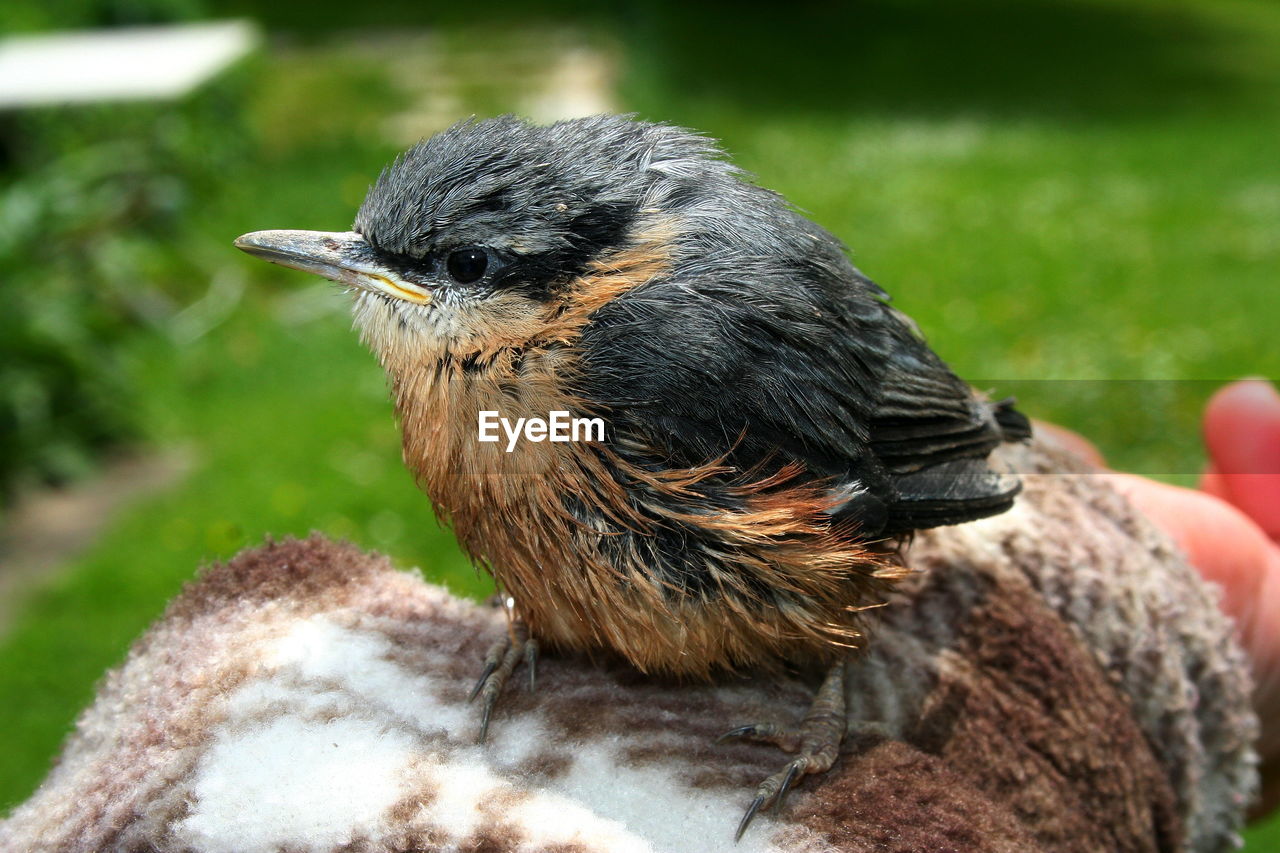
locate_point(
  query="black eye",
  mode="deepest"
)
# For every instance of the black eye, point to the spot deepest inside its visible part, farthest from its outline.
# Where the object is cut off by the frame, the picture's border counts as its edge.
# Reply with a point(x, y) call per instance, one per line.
point(467, 265)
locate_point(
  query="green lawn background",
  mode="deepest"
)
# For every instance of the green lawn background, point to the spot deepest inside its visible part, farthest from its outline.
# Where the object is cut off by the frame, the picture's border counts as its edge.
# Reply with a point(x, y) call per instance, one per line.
point(1054, 190)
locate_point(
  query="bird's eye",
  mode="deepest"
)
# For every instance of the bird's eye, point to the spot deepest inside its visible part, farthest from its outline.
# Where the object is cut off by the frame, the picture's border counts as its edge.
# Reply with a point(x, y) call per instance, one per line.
point(467, 265)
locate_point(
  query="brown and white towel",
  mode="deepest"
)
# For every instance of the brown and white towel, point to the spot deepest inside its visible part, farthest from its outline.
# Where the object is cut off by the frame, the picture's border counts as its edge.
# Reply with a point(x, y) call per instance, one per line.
point(1056, 678)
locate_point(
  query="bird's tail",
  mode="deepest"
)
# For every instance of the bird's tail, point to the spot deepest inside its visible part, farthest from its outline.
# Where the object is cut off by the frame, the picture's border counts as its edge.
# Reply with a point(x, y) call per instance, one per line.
point(1013, 424)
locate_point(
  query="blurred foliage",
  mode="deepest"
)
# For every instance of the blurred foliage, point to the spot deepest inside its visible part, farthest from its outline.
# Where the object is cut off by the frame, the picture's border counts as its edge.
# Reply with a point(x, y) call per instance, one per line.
point(94, 248)
point(1075, 60)
point(16, 17)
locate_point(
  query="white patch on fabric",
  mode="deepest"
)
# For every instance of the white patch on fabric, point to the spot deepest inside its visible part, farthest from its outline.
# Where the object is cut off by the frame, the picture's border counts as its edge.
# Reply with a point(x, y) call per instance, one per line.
point(333, 733)
point(290, 782)
point(668, 815)
point(357, 663)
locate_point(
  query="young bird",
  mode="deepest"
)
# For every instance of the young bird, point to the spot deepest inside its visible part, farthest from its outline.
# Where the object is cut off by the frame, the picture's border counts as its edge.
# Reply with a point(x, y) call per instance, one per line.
point(773, 425)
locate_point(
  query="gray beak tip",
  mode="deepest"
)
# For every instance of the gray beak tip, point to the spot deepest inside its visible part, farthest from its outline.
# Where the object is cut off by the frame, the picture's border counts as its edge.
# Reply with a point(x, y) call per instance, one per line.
point(256, 241)
point(342, 257)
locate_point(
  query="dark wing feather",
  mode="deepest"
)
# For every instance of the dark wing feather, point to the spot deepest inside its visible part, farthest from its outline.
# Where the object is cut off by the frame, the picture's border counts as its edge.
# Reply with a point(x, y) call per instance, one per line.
point(831, 377)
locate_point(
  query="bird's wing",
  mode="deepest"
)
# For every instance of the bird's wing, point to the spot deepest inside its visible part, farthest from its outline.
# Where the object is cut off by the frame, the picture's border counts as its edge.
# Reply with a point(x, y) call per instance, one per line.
point(841, 384)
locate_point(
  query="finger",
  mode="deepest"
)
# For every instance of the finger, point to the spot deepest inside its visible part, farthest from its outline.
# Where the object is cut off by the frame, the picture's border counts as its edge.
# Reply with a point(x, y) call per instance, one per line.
point(1242, 433)
point(1219, 540)
point(1228, 548)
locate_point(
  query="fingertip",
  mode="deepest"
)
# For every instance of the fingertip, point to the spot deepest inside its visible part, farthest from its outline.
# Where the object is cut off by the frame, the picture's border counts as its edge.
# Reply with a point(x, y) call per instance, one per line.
point(1219, 540)
point(1242, 428)
point(1242, 434)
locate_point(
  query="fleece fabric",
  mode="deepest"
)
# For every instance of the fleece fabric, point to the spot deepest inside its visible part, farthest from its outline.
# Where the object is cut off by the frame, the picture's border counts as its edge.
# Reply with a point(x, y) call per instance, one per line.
point(1056, 678)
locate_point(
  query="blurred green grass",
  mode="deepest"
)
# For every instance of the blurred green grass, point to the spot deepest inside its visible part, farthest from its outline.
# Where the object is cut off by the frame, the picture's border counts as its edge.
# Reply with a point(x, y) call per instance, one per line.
point(1055, 191)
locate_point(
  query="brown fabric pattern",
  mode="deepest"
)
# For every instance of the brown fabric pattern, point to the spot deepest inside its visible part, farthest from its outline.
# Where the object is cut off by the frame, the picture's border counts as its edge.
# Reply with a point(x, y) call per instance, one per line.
point(1052, 679)
point(1027, 720)
point(1074, 557)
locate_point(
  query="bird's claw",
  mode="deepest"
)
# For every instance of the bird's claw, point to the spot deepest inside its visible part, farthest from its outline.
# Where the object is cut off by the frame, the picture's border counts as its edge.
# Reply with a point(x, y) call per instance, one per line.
point(740, 731)
point(772, 792)
point(747, 818)
point(500, 661)
point(817, 740)
point(791, 774)
point(531, 662)
point(489, 667)
point(785, 738)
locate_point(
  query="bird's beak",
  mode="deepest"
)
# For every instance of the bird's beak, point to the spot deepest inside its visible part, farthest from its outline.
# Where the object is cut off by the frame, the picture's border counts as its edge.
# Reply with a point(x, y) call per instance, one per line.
point(344, 257)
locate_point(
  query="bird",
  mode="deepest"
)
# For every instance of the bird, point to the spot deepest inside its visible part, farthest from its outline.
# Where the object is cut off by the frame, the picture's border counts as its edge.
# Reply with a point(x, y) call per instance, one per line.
point(773, 429)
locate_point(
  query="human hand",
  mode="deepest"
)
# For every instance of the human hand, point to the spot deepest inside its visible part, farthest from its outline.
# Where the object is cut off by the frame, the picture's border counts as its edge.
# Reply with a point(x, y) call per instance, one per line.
point(1230, 531)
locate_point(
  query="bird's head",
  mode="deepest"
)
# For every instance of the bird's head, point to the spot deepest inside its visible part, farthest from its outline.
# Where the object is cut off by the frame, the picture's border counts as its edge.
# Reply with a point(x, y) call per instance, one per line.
point(475, 238)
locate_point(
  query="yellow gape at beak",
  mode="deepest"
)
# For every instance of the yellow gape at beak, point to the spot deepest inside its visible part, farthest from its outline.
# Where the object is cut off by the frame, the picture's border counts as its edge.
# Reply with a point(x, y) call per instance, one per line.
point(341, 256)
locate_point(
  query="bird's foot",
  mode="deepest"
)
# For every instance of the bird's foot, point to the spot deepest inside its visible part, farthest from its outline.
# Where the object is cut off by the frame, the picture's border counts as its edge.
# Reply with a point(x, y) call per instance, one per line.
point(503, 657)
point(816, 742)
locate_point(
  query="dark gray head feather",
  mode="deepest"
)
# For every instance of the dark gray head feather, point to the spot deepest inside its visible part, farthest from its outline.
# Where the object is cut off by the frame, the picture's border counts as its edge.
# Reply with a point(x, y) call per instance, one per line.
point(761, 328)
point(532, 189)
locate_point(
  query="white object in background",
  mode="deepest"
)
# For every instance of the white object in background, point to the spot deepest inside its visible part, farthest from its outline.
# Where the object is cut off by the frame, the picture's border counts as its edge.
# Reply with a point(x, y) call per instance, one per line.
point(128, 64)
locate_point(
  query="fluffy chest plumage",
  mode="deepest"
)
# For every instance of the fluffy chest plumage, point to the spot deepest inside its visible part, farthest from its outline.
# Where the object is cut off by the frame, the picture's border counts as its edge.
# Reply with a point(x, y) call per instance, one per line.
point(687, 571)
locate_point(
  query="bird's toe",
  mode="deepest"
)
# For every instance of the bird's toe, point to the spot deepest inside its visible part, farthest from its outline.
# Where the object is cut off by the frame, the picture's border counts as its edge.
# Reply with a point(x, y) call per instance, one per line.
point(500, 661)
